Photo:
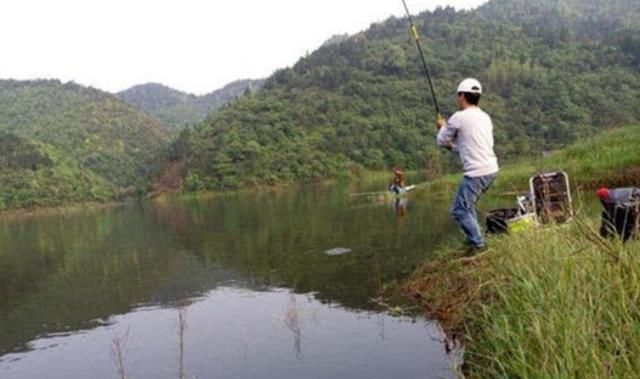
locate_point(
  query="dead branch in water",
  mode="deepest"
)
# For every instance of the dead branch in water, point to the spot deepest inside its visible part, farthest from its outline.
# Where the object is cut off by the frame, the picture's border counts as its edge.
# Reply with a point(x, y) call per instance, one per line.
point(292, 320)
point(118, 345)
point(182, 327)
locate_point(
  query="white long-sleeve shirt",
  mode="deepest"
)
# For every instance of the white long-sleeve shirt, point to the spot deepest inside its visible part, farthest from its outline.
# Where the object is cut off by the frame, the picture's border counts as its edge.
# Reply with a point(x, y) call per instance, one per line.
point(471, 132)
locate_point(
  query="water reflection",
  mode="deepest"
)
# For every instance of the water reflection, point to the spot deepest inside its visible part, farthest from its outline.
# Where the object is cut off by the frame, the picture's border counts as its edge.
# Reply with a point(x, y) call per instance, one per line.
point(400, 206)
point(228, 335)
point(68, 273)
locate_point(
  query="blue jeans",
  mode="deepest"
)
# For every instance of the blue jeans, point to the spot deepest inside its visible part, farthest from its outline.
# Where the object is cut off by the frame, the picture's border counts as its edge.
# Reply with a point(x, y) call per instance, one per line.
point(463, 210)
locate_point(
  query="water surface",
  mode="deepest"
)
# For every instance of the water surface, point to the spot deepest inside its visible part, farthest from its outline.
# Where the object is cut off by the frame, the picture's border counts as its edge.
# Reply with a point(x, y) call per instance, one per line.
point(247, 273)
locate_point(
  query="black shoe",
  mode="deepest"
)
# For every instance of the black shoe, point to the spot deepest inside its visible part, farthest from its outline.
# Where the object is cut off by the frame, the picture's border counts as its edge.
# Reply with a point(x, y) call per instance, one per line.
point(473, 250)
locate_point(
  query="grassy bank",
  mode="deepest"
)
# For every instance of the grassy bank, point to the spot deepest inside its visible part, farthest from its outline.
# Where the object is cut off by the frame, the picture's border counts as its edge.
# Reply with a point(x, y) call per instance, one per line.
point(554, 302)
point(610, 159)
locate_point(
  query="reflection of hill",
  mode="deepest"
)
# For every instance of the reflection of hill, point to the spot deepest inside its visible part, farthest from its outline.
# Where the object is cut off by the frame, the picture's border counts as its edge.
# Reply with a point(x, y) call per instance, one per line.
point(278, 239)
point(64, 273)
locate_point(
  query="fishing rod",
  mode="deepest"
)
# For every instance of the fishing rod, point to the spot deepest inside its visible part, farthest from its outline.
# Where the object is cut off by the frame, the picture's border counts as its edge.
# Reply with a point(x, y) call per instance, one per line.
point(416, 37)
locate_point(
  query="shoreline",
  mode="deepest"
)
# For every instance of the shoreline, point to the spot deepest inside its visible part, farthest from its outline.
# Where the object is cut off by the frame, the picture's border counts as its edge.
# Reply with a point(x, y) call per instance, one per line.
point(13, 214)
point(559, 295)
point(161, 195)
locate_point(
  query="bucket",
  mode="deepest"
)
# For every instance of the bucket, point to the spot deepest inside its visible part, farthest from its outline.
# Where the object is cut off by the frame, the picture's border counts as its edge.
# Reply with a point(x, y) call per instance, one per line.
point(509, 220)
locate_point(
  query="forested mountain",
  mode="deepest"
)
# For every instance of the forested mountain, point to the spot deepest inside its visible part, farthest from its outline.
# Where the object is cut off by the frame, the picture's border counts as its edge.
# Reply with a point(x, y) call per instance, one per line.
point(605, 16)
point(553, 70)
point(177, 109)
point(64, 142)
point(582, 20)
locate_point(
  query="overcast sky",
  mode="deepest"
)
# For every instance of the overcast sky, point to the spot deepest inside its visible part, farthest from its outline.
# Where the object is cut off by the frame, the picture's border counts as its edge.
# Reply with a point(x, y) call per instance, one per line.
point(191, 45)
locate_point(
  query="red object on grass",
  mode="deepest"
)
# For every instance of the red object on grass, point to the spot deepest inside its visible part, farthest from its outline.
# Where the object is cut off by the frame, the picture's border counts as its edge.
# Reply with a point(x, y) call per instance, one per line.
point(603, 193)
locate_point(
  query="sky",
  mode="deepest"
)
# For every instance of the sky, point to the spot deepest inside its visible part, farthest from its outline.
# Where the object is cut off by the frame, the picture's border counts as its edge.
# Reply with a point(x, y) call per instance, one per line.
point(195, 46)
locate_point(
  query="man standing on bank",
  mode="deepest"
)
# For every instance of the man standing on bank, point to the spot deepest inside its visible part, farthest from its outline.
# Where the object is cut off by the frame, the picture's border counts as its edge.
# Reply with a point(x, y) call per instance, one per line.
point(469, 132)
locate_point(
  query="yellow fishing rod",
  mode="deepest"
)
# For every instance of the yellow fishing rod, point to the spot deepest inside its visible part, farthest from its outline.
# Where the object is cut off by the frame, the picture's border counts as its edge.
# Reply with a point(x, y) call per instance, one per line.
point(416, 37)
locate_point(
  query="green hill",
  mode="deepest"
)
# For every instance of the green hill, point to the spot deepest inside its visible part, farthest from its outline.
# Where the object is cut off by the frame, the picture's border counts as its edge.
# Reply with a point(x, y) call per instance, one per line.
point(596, 17)
point(362, 102)
point(61, 143)
point(33, 173)
point(177, 109)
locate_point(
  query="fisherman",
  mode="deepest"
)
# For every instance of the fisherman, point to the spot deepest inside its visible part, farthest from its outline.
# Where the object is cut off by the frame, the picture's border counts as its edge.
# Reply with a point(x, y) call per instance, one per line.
point(621, 211)
point(469, 132)
point(398, 181)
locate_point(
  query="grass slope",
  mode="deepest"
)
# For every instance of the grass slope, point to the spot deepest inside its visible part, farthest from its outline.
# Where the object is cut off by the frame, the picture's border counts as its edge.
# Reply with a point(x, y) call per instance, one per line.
point(611, 159)
point(553, 302)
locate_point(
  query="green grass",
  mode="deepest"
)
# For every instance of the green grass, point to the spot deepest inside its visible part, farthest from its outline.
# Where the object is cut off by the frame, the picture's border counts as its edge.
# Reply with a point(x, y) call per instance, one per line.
point(611, 159)
point(562, 304)
point(553, 302)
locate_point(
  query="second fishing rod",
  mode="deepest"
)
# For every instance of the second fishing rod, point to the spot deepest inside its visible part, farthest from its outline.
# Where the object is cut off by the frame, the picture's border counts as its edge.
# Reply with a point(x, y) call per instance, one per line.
point(425, 68)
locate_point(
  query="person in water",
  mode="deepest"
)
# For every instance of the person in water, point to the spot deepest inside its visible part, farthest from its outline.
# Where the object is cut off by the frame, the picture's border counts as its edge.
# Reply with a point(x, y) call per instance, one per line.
point(398, 181)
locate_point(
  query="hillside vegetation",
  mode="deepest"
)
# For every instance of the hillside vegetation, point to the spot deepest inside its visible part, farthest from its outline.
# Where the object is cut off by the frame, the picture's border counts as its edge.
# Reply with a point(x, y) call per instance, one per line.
point(62, 143)
point(554, 71)
point(178, 109)
point(610, 159)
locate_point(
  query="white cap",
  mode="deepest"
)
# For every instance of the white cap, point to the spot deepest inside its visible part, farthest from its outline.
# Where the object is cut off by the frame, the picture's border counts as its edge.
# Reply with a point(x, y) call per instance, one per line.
point(470, 85)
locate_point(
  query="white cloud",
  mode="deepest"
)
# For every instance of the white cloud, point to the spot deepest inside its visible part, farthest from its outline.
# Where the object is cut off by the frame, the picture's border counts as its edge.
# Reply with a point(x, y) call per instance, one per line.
point(192, 45)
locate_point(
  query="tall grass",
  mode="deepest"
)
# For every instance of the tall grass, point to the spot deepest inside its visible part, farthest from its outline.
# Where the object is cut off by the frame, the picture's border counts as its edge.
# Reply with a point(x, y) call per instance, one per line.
point(556, 302)
point(565, 305)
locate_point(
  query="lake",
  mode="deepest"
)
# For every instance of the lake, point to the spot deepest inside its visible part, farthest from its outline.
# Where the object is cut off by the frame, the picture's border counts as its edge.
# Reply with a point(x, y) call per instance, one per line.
point(269, 284)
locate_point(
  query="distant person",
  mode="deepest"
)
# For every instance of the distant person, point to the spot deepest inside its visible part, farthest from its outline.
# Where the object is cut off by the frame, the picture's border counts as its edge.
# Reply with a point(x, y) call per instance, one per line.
point(620, 215)
point(398, 180)
point(469, 132)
